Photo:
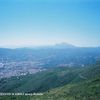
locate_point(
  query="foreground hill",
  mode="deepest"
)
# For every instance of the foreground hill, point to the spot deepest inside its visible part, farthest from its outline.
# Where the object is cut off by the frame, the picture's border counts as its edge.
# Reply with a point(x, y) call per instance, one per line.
point(88, 90)
point(56, 84)
point(42, 81)
point(51, 78)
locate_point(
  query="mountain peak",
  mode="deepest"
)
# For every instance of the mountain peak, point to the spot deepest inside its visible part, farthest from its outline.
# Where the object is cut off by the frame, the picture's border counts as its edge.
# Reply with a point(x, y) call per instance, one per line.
point(64, 45)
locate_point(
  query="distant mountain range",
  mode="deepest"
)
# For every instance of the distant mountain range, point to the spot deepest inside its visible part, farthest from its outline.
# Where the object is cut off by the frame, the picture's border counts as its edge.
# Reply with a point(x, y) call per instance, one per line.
point(57, 55)
point(59, 45)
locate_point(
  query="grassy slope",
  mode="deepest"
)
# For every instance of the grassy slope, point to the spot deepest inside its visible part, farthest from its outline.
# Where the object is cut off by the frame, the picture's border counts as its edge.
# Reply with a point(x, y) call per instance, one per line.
point(89, 90)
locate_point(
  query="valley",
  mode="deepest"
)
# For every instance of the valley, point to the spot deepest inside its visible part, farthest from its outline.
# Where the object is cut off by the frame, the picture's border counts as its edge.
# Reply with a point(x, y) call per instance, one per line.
point(58, 73)
point(23, 61)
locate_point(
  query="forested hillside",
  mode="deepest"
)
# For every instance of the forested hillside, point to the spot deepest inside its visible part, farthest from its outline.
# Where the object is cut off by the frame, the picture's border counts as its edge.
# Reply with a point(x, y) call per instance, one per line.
point(57, 84)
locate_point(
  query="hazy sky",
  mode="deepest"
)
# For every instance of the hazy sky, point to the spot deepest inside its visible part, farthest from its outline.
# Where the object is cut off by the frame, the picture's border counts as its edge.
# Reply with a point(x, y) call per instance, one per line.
point(43, 22)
